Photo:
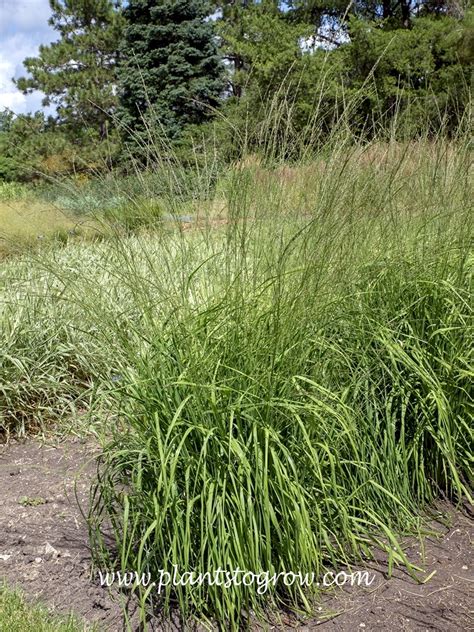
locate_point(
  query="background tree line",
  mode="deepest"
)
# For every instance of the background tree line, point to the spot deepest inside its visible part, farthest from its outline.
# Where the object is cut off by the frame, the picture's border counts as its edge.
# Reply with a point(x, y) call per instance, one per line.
point(123, 76)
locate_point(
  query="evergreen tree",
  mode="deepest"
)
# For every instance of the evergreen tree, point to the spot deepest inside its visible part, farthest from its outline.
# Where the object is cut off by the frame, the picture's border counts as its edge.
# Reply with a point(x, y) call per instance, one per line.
point(32, 145)
point(170, 72)
point(391, 14)
point(235, 15)
point(77, 72)
point(421, 74)
point(257, 36)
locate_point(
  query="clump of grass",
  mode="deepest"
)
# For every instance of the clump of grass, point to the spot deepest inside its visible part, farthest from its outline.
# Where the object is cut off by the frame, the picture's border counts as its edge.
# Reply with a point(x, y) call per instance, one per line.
point(51, 363)
point(10, 191)
point(292, 385)
point(16, 615)
point(132, 201)
point(302, 390)
point(135, 213)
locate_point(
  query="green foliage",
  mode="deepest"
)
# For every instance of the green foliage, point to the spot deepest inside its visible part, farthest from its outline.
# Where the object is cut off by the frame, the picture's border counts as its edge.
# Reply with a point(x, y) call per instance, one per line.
point(264, 440)
point(309, 62)
point(418, 74)
point(404, 81)
point(133, 214)
point(8, 168)
point(17, 615)
point(36, 146)
point(301, 385)
point(77, 72)
point(262, 43)
point(12, 191)
point(170, 73)
point(288, 385)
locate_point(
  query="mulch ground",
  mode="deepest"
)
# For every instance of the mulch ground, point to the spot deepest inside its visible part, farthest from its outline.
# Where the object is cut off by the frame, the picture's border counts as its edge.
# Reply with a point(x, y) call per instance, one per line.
point(44, 551)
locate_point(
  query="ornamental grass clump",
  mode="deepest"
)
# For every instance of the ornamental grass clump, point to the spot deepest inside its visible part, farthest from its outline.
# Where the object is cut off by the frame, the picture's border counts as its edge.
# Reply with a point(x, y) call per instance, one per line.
point(298, 386)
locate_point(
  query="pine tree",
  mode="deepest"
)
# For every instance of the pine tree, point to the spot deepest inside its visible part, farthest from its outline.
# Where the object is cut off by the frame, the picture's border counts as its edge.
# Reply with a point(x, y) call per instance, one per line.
point(171, 73)
point(77, 72)
point(261, 43)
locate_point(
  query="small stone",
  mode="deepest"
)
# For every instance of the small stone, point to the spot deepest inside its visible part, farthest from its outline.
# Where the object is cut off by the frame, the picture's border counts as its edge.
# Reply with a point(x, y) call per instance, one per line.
point(4, 557)
point(465, 568)
point(38, 560)
point(50, 550)
point(361, 625)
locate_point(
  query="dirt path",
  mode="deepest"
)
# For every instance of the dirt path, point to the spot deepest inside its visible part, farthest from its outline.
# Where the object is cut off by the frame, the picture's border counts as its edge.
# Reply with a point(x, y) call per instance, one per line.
point(44, 550)
point(43, 535)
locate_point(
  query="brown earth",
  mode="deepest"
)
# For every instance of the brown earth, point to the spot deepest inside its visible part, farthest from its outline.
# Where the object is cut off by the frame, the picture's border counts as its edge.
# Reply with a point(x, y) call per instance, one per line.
point(44, 550)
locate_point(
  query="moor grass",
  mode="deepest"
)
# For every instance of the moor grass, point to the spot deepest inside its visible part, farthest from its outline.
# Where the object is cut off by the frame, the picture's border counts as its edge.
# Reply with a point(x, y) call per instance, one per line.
point(277, 387)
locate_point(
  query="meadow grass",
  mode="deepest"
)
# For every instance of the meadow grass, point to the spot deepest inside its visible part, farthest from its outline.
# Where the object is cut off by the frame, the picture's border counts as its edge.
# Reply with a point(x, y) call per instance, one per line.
point(65, 210)
point(28, 222)
point(289, 386)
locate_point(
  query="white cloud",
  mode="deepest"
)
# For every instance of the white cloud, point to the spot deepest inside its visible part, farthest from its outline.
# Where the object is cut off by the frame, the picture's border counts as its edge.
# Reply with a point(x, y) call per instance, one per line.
point(14, 101)
point(24, 15)
point(23, 27)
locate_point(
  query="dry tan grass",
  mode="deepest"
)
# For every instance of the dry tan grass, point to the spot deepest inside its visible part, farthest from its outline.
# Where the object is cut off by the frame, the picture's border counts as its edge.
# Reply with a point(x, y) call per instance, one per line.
point(27, 222)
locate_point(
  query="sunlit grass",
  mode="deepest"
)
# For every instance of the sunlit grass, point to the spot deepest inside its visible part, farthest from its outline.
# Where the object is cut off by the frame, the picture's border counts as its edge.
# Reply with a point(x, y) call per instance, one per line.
point(28, 222)
point(17, 615)
point(289, 378)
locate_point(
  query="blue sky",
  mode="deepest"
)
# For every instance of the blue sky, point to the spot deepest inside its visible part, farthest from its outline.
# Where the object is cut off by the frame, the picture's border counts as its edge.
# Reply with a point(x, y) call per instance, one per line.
point(23, 27)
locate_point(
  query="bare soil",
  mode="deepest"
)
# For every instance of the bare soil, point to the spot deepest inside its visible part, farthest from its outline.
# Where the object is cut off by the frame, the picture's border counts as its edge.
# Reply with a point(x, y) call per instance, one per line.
point(44, 551)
